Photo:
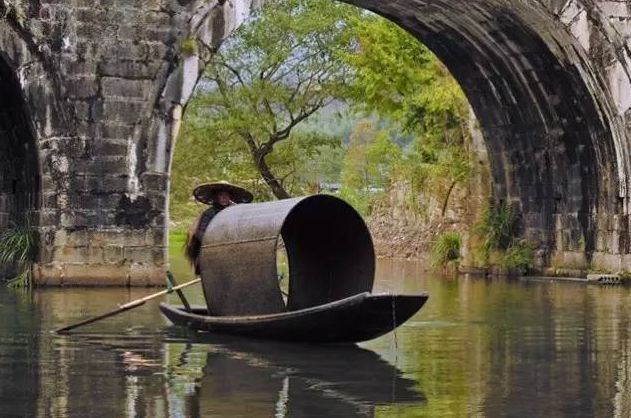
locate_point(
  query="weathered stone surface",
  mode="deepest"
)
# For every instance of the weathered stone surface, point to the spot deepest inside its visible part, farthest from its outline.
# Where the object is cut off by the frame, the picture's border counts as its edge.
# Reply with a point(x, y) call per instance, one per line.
point(92, 95)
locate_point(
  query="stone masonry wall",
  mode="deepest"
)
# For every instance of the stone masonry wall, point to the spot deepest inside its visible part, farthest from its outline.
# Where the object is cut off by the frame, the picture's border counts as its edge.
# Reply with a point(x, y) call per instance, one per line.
point(105, 83)
point(549, 83)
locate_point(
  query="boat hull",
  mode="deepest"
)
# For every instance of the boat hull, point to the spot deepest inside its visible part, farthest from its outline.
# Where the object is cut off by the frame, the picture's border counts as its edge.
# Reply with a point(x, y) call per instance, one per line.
point(358, 318)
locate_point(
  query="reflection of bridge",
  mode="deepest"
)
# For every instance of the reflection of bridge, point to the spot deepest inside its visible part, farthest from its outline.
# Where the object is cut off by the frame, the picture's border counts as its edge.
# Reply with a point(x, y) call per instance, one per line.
point(93, 96)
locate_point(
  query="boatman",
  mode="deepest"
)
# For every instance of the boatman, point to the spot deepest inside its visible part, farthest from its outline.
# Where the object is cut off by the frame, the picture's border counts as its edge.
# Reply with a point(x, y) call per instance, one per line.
point(219, 196)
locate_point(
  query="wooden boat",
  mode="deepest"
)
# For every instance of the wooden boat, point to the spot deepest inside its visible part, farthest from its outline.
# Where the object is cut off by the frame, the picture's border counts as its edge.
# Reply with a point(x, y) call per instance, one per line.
point(331, 264)
point(354, 319)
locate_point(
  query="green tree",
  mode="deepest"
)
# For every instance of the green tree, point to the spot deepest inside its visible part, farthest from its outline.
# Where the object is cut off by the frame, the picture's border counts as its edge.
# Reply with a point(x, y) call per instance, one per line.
point(399, 79)
point(368, 166)
point(274, 73)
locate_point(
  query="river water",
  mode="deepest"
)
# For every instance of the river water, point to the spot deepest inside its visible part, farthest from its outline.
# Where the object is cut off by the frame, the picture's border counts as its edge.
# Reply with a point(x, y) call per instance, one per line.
point(479, 347)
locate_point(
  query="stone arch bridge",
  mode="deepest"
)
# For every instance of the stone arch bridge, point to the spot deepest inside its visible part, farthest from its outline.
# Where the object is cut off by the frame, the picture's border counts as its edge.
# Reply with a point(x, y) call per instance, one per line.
point(92, 93)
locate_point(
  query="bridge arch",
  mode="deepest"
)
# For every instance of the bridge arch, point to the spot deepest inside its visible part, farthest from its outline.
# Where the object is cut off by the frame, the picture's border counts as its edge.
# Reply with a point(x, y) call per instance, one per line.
point(556, 141)
point(556, 146)
point(19, 165)
point(549, 81)
point(30, 115)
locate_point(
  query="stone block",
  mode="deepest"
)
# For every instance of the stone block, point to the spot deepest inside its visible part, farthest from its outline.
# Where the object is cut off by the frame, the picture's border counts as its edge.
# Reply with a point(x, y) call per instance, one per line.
point(86, 201)
point(81, 87)
point(68, 254)
point(121, 87)
point(95, 275)
point(156, 237)
point(129, 68)
point(146, 275)
point(154, 181)
point(124, 111)
point(49, 217)
point(606, 262)
point(60, 238)
point(140, 255)
point(113, 184)
point(48, 274)
point(625, 263)
point(114, 165)
point(108, 148)
point(117, 237)
point(159, 255)
point(613, 242)
point(601, 240)
point(574, 260)
point(114, 254)
point(82, 110)
point(158, 34)
point(95, 255)
point(116, 130)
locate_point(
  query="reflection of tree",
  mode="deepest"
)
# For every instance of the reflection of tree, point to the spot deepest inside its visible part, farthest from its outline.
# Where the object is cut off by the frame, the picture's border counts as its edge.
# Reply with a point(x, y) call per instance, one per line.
point(514, 348)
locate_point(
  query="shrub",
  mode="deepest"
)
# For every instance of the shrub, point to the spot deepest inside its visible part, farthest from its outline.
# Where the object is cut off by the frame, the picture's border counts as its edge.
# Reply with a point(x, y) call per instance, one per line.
point(446, 249)
point(499, 227)
point(18, 249)
point(518, 257)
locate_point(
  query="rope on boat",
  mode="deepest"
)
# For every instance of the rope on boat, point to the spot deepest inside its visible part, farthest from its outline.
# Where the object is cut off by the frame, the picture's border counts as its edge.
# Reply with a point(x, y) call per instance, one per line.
point(396, 348)
point(394, 328)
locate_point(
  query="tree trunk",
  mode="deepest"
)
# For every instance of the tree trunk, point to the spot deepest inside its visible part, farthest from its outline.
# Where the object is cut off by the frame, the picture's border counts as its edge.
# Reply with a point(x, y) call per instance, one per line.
point(277, 188)
point(446, 201)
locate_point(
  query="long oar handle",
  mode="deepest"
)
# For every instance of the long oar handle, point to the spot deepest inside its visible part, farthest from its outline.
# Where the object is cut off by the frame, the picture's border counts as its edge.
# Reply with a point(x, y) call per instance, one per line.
point(127, 306)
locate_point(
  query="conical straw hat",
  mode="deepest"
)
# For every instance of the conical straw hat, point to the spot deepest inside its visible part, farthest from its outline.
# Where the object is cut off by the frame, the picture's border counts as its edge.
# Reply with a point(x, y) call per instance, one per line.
point(204, 192)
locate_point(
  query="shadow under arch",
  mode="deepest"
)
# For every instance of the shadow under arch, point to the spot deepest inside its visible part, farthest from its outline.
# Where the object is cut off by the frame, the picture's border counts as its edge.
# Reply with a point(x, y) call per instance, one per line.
point(19, 163)
point(555, 146)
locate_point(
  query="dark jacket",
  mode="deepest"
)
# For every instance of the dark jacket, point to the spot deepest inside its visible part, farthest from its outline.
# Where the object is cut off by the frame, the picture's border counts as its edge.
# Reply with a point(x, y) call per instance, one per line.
point(198, 237)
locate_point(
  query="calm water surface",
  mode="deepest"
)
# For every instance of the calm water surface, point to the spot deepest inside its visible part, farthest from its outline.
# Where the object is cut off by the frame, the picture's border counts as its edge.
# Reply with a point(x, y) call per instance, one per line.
point(478, 348)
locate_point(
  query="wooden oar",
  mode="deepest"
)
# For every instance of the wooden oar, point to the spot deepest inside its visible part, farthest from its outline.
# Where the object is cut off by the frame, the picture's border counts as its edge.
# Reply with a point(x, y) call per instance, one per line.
point(122, 308)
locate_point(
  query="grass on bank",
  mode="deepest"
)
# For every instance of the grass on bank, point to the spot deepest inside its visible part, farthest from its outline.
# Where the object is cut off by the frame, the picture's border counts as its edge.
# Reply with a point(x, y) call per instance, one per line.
point(18, 249)
point(499, 235)
point(446, 250)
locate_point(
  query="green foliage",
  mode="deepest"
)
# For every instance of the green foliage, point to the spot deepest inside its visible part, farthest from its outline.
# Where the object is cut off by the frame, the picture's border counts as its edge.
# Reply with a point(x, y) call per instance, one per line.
point(189, 47)
point(23, 280)
point(499, 234)
point(18, 249)
point(203, 154)
point(368, 166)
point(301, 60)
point(446, 249)
point(399, 79)
point(518, 257)
point(274, 73)
point(500, 226)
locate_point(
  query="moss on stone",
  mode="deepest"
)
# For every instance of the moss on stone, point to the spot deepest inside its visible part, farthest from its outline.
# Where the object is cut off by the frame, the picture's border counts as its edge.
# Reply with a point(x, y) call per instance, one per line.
point(189, 47)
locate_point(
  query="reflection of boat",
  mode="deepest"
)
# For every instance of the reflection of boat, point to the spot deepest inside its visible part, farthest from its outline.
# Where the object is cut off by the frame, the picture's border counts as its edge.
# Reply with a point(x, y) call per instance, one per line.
point(331, 265)
point(245, 377)
point(357, 318)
